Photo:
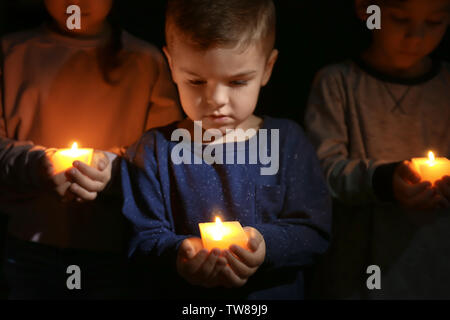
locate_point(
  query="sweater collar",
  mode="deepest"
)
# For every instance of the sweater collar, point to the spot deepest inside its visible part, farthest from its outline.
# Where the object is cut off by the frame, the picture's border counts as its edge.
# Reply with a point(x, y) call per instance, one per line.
point(55, 36)
point(434, 70)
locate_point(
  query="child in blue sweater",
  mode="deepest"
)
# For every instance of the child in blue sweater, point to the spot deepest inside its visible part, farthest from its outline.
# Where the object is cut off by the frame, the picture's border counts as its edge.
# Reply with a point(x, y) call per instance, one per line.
point(261, 172)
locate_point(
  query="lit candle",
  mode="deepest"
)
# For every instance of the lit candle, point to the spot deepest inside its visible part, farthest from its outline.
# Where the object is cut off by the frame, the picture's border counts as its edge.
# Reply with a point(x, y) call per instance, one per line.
point(432, 169)
point(222, 235)
point(63, 158)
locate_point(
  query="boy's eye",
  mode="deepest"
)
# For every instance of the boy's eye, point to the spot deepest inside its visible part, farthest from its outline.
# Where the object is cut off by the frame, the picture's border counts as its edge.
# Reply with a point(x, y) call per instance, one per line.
point(196, 82)
point(434, 23)
point(238, 83)
point(399, 19)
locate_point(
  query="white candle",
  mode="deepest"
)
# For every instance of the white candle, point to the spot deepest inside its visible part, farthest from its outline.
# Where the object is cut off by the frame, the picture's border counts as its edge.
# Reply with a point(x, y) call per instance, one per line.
point(63, 158)
point(432, 169)
point(222, 235)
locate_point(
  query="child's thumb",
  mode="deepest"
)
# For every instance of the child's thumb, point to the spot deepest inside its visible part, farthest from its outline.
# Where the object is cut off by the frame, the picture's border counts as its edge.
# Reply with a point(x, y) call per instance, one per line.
point(413, 176)
point(409, 173)
point(101, 165)
point(188, 250)
point(253, 244)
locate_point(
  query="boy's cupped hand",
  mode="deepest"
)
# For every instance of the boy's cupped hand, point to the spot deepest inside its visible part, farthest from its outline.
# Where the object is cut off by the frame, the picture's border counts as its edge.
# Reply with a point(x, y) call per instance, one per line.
point(243, 263)
point(414, 194)
point(198, 266)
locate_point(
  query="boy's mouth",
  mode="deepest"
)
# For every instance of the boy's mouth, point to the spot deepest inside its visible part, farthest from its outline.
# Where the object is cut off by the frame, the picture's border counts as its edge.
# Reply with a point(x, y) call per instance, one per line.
point(219, 118)
point(409, 54)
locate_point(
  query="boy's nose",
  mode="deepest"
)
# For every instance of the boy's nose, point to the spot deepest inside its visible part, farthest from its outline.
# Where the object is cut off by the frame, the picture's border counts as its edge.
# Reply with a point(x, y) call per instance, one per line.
point(217, 96)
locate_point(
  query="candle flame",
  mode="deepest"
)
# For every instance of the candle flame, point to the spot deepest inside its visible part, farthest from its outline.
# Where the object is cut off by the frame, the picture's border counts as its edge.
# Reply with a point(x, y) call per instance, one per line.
point(74, 146)
point(218, 230)
point(431, 156)
point(431, 159)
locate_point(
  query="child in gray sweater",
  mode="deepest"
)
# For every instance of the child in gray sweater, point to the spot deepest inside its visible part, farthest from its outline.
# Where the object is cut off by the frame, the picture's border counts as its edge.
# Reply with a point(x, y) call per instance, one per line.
point(367, 118)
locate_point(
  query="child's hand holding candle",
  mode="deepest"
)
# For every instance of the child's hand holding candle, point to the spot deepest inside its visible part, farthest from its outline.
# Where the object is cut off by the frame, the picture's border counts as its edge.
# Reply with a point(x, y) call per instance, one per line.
point(88, 180)
point(199, 266)
point(63, 159)
point(432, 169)
point(87, 171)
point(244, 249)
point(411, 192)
point(437, 172)
point(243, 263)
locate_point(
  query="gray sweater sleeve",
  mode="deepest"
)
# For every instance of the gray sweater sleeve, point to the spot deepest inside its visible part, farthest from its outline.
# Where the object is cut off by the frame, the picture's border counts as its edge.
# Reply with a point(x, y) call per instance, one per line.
point(348, 172)
point(18, 160)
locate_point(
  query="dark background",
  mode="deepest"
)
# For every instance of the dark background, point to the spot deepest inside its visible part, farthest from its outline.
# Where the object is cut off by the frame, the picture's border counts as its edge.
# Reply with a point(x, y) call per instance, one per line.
point(310, 34)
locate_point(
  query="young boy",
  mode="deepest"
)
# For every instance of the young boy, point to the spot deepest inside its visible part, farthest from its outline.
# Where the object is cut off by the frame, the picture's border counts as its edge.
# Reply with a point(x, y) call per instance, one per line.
point(220, 55)
point(368, 118)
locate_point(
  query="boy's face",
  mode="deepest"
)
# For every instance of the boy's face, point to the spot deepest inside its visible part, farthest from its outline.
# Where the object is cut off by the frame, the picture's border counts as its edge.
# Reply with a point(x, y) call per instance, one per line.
point(93, 14)
point(219, 86)
point(411, 29)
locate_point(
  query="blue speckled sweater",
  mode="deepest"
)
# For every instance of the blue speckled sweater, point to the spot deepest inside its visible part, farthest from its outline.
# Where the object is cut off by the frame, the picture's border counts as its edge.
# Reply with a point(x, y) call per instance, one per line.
point(165, 202)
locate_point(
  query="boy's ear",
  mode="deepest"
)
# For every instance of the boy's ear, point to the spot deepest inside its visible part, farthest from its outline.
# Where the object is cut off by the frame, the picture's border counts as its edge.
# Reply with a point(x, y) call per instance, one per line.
point(169, 60)
point(361, 9)
point(269, 67)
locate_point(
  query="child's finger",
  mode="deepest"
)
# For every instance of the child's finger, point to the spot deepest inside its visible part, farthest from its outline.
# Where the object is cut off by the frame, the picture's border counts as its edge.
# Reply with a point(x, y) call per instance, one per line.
point(417, 189)
point(254, 243)
point(408, 172)
point(186, 249)
point(46, 162)
point(82, 193)
point(220, 264)
point(62, 191)
point(192, 265)
point(208, 265)
point(249, 258)
point(230, 279)
point(190, 246)
point(49, 152)
point(59, 179)
point(204, 273)
point(240, 268)
point(90, 172)
point(48, 165)
point(85, 181)
point(255, 238)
